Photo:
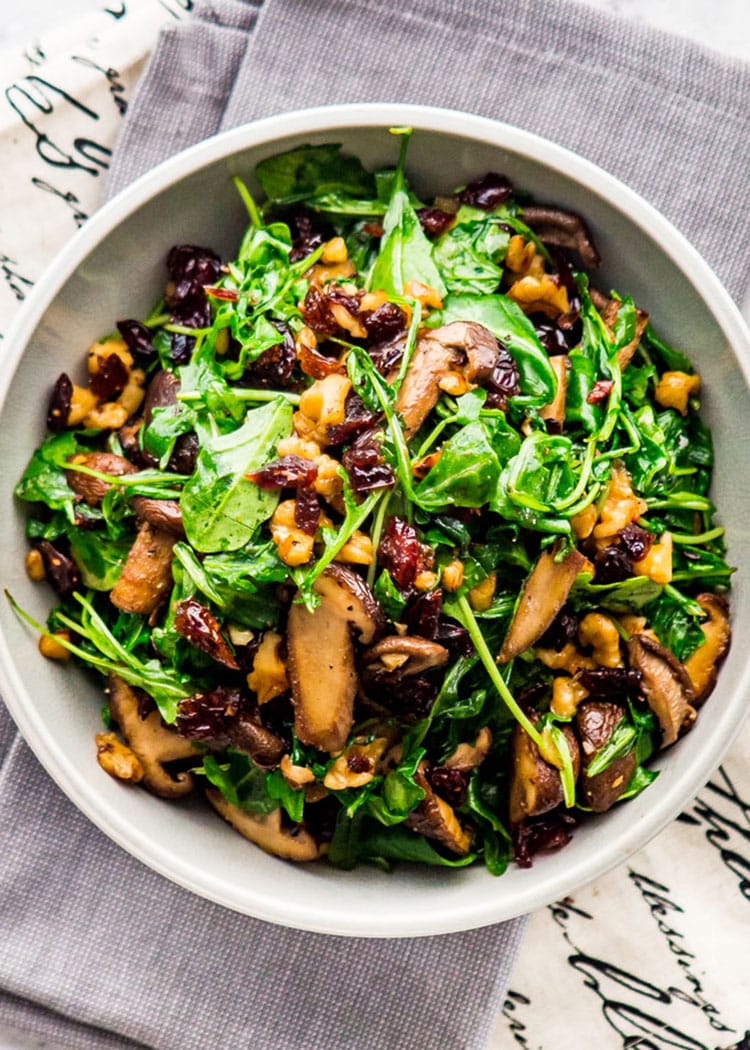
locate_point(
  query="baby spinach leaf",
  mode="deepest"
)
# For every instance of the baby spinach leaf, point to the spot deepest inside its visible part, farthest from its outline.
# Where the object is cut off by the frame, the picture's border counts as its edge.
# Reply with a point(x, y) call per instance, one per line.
point(389, 596)
point(469, 255)
point(675, 625)
point(508, 323)
point(99, 557)
point(669, 357)
point(221, 509)
point(466, 474)
point(240, 781)
point(44, 479)
point(168, 422)
point(633, 593)
point(313, 172)
point(401, 843)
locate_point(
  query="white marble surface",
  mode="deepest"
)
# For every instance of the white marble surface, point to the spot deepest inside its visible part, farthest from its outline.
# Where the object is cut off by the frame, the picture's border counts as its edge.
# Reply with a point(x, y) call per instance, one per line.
point(720, 24)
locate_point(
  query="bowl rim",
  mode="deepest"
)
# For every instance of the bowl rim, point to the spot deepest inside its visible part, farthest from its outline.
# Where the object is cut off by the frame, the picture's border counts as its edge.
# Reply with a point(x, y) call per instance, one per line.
point(306, 915)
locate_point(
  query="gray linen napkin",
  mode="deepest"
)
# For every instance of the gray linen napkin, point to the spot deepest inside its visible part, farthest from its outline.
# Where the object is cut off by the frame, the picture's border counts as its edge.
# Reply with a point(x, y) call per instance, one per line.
point(96, 950)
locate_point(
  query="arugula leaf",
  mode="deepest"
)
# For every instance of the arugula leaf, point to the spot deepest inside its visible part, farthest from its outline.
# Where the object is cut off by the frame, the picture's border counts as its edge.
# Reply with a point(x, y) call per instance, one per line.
point(389, 596)
point(221, 509)
point(508, 323)
point(469, 255)
point(168, 422)
point(676, 626)
point(405, 252)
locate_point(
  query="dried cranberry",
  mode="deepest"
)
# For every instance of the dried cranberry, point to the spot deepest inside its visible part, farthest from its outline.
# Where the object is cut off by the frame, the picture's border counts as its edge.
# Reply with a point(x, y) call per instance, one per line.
point(307, 510)
point(410, 698)
point(226, 295)
point(385, 323)
point(62, 572)
point(200, 627)
point(111, 378)
point(553, 338)
point(423, 613)
point(568, 281)
point(450, 783)
point(454, 637)
point(562, 630)
point(59, 403)
point(274, 367)
point(318, 365)
point(504, 381)
point(612, 565)
point(190, 269)
point(400, 552)
point(181, 348)
point(286, 472)
point(137, 339)
point(434, 221)
point(359, 763)
point(206, 716)
point(486, 193)
point(387, 355)
point(636, 541)
point(316, 312)
point(349, 300)
point(357, 419)
point(543, 834)
point(182, 460)
point(599, 391)
point(364, 463)
point(307, 238)
point(611, 683)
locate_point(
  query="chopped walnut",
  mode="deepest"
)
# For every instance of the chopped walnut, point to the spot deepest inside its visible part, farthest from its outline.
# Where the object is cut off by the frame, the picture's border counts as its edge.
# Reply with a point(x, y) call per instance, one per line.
point(268, 677)
point(621, 506)
point(480, 597)
point(675, 389)
point(356, 766)
point(295, 547)
point(117, 759)
point(567, 694)
point(599, 632)
point(657, 564)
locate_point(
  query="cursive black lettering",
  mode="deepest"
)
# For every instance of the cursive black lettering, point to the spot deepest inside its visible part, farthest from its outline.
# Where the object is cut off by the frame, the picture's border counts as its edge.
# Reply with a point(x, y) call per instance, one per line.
point(68, 198)
point(33, 96)
point(117, 11)
point(516, 1027)
point(16, 282)
point(112, 76)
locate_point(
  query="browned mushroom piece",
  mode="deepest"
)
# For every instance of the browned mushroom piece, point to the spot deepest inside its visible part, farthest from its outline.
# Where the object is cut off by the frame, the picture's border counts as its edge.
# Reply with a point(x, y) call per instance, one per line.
point(402, 655)
point(554, 412)
point(596, 722)
point(563, 229)
point(536, 786)
point(463, 346)
point(608, 308)
point(665, 684)
point(266, 831)
point(469, 756)
point(146, 576)
point(543, 595)
point(94, 489)
point(161, 392)
point(247, 733)
point(320, 652)
point(435, 818)
point(153, 743)
point(702, 666)
point(161, 513)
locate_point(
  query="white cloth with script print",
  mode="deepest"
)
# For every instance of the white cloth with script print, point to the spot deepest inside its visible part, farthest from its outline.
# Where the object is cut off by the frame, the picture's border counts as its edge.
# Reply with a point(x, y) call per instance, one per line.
point(655, 955)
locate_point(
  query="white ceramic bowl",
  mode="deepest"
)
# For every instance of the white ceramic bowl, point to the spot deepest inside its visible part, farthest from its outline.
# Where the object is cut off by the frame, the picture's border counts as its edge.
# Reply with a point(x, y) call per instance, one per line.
point(112, 268)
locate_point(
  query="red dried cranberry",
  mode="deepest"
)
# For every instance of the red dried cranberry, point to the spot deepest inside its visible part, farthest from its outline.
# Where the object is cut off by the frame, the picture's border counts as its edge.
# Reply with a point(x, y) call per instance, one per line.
point(543, 834)
point(611, 683)
point(553, 338)
point(59, 403)
point(227, 295)
point(450, 783)
point(308, 236)
point(612, 565)
point(387, 355)
point(434, 221)
point(410, 698)
point(318, 365)
point(274, 367)
point(137, 339)
point(636, 541)
point(206, 716)
point(316, 312)
point(357, 419)
point(400, 552)
point(287, 472)
point(504, 381)
point(200, 627)
point(562, 630)
point(111, 379)
point(385, 323)
point(181, 347)
point(182, 460)
point(359, 763)
point(363, 461)
point(568, 281)
point(349, 300)
point(454, 637)
point(62, 572)
point(599, 391)
point(307, 510)
point(486, 193)
point(190, 269)
point(423, 613)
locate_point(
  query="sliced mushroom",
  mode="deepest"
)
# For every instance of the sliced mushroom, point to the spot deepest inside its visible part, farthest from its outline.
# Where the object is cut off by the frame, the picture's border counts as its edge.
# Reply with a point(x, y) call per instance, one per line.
point(320, 652)
point(402, 655)
point(152, 742)
point(554, 412)
point(665, 684)
point(544, 593)
point(247, 733)
point(536, 786)
point(563, 229)
point(265, 830)
point(162, 391)
point(464, 346)
point(469, 756)
point(596, 722)
point(94, 489)
point(435, 818)
point(703, 665)
point(146, 576)
point(161, 513)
